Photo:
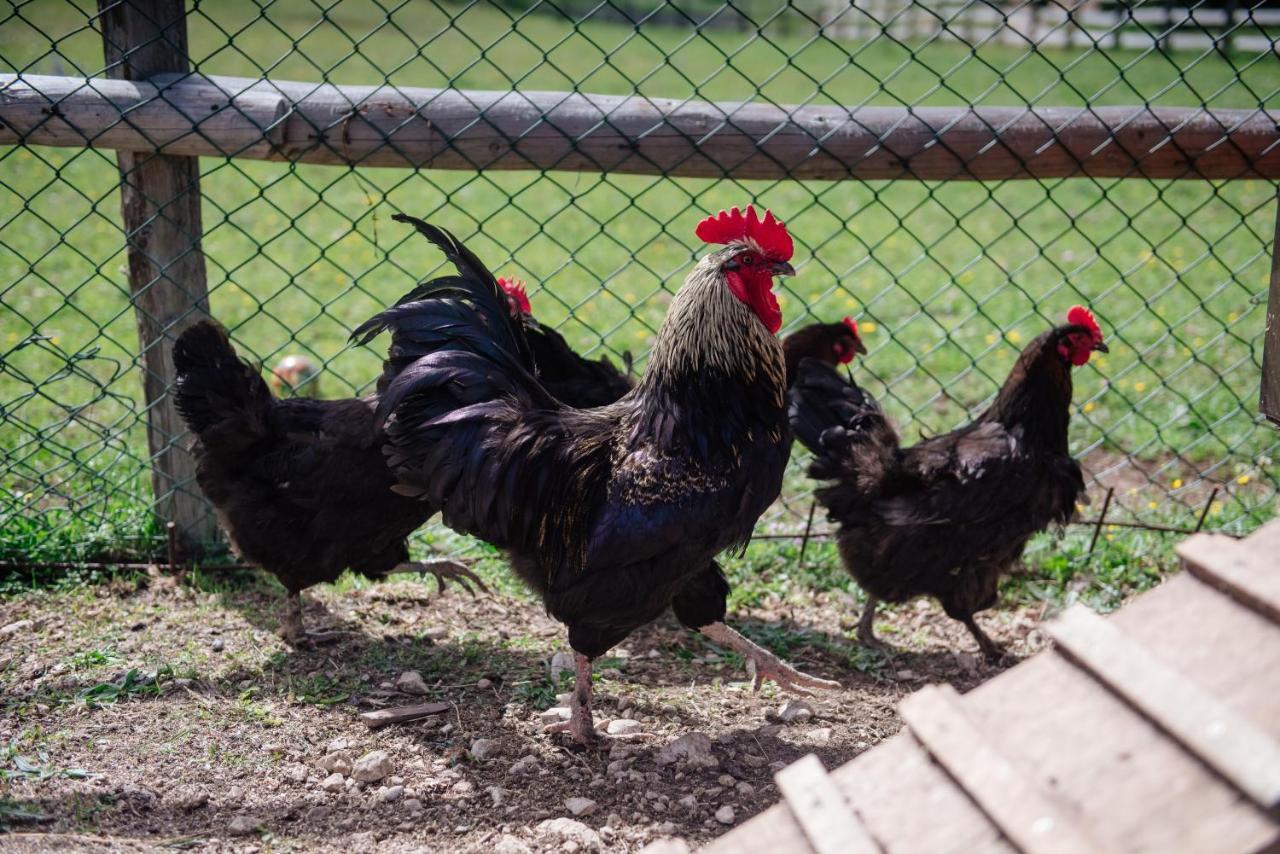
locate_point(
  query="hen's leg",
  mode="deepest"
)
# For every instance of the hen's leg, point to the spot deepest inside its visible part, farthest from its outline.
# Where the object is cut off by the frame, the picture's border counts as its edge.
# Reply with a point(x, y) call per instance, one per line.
point(992, 651)
point(580, 724)
point(291, 628)
point(443, 569)
point(762, 664)
point(866, 625)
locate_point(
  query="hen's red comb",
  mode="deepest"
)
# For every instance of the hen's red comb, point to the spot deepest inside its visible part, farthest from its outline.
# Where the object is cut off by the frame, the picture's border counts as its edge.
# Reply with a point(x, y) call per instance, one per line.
point(515, 290)
point(853, 326)
point(768, 233)
point(1081, 316)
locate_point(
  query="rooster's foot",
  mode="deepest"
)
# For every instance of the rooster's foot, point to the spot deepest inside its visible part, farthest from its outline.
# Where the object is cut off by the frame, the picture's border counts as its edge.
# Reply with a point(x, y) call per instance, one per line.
point(866, 627)
point(445, 569)
point(993, 652)
point(762, 664)
point(580, 724)
point(293, 632)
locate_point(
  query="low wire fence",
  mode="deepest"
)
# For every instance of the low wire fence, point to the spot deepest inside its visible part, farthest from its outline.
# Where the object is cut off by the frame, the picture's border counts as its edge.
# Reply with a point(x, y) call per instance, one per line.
point(955, 175)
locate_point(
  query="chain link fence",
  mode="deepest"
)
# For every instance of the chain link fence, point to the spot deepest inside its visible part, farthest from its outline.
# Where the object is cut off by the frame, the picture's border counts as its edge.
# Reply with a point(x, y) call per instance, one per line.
point(948, 278)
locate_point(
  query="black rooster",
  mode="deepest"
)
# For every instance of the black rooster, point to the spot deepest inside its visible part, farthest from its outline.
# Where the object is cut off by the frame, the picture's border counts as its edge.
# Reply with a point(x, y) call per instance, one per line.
point(947, 517)
point(615, 513)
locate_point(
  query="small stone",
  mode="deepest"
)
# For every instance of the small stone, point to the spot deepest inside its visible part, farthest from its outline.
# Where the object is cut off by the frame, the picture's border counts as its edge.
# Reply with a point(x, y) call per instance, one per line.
point(905, 674)
point(746, 790)
point(689, 802)
point(561, 662)
point(555, 715)
point(485, 748)
point(754, 761)
point(336, 745)
point(333, 783)
point(338, 762)
point(524, 765)
point(611, 673)
point(317, 814)
point(372, 767)
point(218, 646)
point(14, 628)
point(667, 828)
point(395, 781)
point(244, 825)
point(795, 711)
point(580, 806)
point(497, 795)
point(653, 653)
point(413, 805)
point(484, 684)
point(565, 830)
point(624, 726)
point(436, 633)
point(692, 749)
point(191, 799)
point(411, 682)
point(819, 736)
point(725, 814)
point(391, 794)
point(296, 773)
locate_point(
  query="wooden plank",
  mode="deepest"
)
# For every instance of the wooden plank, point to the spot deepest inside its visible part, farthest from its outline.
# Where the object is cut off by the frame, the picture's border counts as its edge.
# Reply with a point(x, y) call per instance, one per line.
point(1025, 814)
point(896, 783)
point(402, 714)
point(821, 810)
point(471, 129)
point(160, 201)
point(1247, 571)
point(1269, 402)
point(1229, 743)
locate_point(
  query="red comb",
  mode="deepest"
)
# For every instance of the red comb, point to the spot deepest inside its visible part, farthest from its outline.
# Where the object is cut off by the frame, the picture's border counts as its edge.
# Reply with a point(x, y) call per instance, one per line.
point(853, 326)
point(1081, 316)
point(768, 233)
point(514, 288)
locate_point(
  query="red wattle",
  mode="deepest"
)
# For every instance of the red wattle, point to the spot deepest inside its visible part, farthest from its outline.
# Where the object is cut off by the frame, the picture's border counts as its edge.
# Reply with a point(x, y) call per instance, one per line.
point(757, 293)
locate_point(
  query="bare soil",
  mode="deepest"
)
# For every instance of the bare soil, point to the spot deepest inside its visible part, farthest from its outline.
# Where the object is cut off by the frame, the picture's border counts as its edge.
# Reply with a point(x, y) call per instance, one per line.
point(151, 713)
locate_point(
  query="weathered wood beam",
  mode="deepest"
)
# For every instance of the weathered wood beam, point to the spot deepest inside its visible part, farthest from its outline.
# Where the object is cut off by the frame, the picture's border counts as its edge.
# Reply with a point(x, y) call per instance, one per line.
point(457, 129)
point(1269, 401)
point(160, 204)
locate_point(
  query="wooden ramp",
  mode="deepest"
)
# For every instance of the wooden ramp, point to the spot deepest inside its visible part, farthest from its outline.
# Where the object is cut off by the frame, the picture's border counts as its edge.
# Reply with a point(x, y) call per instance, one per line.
point(1154, 729)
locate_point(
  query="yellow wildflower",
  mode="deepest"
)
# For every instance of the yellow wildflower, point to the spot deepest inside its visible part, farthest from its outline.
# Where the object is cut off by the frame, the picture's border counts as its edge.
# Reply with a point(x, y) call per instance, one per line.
point(1242, 479)
point(1089, 407)
point(1177, 483)
point(869, 326)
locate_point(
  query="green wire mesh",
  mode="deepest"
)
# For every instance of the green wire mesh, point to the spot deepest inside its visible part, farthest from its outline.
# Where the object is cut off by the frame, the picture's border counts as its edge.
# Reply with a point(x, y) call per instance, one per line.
point(947, 279)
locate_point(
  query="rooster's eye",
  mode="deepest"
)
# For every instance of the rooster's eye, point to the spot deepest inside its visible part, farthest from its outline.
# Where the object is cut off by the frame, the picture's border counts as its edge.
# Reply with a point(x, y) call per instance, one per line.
point(747, 258)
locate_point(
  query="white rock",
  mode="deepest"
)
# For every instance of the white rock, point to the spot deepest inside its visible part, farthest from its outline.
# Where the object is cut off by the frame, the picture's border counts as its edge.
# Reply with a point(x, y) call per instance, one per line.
point(413, 805)
point(565, 830)
point(692, 749)
point(243, 825)
point(746, 790)
point(580, 806)
point(624, 726)
point(436, 633)
point(725, 814)
point(410, 682)
point(795, 711)
point(905, 674)
point(372, 767)
point(14, 628)
point(497, 795)
point(555, 715)
point(333, 783)
point(391, 794)
point(689, 802)
point(819, 736)
point(484, 684)
point(338, 762)
point(336, 745)
point(486, 748)
point(508, 844)
point(296, 772)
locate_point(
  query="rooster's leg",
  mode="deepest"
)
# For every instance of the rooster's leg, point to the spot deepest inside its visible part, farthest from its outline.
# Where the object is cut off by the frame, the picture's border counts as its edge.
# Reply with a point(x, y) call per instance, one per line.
point(443, 569)
point(580, 724)
point(293, 632)
point(992, 651)
point(762, 664)
point(866, 624)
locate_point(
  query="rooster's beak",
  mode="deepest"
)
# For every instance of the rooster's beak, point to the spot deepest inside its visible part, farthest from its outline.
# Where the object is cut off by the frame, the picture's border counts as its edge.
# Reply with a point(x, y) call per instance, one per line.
point(782, 268)
point(1100, 347)
point(859, 347)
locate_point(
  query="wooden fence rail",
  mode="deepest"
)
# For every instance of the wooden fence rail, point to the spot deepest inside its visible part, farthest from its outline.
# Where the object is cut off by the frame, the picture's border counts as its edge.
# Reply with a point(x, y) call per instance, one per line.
point(193, 115)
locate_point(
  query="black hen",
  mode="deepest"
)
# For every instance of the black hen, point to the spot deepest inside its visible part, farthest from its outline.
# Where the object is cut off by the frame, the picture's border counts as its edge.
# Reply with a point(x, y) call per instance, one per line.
point(948, 516)
point(573, 379)
point(610, 514)
point(300, 485)
point(833, 343)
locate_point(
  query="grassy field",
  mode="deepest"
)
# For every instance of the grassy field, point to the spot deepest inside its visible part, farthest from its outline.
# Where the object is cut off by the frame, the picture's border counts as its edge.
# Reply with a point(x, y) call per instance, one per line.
point(948, 280)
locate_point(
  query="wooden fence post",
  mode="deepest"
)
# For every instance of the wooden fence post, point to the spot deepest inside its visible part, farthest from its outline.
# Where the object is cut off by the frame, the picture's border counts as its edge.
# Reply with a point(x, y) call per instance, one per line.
point(1270, 402)
point(160, 201)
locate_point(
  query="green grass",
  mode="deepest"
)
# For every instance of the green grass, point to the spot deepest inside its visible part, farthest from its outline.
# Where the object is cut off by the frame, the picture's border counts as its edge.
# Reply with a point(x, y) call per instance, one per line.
point(948, 280)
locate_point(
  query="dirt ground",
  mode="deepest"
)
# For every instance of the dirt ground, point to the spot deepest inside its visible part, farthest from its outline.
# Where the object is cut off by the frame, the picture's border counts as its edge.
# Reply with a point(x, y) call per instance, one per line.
point(149, 713)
